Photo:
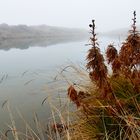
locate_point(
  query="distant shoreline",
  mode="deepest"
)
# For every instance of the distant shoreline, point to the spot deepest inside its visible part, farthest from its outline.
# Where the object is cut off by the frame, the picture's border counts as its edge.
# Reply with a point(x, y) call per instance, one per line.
point(23, 36)
point(25, 43)
point(123, 32)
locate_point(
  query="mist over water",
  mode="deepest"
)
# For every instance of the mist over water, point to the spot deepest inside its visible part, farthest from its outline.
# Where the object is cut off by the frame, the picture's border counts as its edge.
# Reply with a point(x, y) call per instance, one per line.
point(38, 38)
point(109, 15)
point(25, 74)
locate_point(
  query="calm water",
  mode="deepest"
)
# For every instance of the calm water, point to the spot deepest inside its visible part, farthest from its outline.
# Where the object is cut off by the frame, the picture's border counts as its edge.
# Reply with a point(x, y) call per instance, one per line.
point(24, 75)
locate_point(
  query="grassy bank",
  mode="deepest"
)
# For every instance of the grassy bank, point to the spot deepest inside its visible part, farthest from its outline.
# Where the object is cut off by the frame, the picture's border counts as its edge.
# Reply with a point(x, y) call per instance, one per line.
point(106, 98)
point(109, 105)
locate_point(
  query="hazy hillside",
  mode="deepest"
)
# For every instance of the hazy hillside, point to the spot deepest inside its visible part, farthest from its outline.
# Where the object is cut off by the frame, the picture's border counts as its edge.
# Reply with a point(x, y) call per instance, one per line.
point(22, 36)
point(123, 32)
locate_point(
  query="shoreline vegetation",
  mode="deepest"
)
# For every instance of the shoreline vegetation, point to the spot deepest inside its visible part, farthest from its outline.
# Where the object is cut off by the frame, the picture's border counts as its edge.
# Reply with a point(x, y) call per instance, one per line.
point(23, 36)
point(104, 105)
point(109, 106)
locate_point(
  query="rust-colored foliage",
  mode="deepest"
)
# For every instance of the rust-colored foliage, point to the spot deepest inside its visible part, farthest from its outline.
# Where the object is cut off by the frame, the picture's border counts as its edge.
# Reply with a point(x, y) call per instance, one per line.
point(130, 56)
point(126, 62)
point(111, 53)
point(73, 95)
point(95, 65)
point(113, 59)
point(116, 66)
point(76, 96)
point(130, 50)
point(117, 106)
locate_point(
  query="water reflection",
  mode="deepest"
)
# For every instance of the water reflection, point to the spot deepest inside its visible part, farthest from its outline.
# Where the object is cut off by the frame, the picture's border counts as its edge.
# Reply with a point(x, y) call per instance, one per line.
point(25, 43)
point(25, 74)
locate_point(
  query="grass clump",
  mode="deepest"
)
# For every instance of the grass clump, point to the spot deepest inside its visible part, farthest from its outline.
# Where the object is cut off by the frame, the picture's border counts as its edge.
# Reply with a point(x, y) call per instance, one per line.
point(109, 107)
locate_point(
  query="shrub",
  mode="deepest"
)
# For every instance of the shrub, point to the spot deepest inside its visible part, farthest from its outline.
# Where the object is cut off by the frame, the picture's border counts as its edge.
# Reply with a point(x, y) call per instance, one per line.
point(112, 108)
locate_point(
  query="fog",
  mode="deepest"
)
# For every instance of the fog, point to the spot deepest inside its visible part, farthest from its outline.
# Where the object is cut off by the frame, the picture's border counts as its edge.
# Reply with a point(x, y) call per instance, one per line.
point(109, 14)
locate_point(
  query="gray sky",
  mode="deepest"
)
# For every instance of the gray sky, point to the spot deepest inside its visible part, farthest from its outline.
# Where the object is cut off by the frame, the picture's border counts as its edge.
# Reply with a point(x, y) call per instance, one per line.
point(109, 14)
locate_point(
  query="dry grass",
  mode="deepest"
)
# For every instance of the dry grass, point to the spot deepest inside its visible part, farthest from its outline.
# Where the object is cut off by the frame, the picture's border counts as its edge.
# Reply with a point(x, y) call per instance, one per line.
point(109, 107)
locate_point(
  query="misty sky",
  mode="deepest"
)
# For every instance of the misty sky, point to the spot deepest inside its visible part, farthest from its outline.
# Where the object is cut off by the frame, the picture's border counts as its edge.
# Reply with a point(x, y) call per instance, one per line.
point(109, 14)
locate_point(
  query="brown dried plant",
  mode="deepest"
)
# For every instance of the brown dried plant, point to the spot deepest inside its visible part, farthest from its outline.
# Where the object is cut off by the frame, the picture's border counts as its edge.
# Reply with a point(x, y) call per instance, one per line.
point(130, 51)
point(73, 95)
point(116, 113)
point(113, 59)
point(95, 64)
point(127, 62)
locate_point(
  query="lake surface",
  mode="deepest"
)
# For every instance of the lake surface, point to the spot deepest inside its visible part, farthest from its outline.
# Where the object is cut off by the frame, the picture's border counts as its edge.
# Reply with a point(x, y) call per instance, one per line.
point(25, 73)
